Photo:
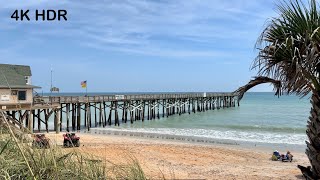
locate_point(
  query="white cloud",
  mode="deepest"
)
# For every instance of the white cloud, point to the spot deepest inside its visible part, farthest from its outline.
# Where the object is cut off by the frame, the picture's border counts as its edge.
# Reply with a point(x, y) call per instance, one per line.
point(163, 52)
point(145, 26)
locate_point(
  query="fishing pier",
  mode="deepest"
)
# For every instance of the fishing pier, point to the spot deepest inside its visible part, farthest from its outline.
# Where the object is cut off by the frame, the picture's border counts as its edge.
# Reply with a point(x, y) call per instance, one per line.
point(74, 113)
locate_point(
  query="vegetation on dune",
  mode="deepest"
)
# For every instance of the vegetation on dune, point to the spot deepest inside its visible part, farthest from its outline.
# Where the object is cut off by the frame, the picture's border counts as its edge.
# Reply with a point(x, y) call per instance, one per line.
point(123, 171)
point(20, 160)
point(289, 58)
point(51, 163)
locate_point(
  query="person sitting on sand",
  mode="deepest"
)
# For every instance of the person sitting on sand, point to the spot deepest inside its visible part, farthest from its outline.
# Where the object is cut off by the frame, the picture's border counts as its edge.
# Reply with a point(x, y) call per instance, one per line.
point(289, 156)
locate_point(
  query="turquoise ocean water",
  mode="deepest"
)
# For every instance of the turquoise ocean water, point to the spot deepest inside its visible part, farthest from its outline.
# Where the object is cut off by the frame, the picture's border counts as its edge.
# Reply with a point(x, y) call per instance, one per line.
point(261, 118)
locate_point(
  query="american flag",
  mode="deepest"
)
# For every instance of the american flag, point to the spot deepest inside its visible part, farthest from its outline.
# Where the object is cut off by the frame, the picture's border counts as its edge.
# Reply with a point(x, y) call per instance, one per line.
point(83, 84)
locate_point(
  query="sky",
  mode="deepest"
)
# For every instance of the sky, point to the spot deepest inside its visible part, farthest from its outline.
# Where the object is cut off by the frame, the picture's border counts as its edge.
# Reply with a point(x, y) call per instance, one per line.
point(138, 45)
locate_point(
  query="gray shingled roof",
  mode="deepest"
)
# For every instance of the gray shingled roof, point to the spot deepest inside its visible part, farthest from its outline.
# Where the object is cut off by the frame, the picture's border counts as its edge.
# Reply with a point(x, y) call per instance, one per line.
point(13, 76)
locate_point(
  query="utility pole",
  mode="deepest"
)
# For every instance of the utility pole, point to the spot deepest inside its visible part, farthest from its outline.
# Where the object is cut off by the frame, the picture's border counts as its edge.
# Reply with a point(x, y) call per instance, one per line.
point(51, 85)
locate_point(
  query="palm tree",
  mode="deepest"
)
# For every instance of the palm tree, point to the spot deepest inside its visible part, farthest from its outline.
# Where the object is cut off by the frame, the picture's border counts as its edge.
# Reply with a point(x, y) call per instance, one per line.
point(289, 58)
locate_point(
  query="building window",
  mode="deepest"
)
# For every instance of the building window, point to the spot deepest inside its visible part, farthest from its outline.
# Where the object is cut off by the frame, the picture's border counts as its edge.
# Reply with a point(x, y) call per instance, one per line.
point(27, 79)
point(14, 92)
point(22, 95)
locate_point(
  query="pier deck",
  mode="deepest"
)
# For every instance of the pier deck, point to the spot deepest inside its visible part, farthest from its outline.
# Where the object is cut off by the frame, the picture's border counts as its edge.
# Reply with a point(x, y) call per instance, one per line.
point(124, 97)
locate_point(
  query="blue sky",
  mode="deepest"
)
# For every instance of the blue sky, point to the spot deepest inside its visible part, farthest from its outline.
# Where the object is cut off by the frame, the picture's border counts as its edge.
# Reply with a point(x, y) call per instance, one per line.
point(138, 45)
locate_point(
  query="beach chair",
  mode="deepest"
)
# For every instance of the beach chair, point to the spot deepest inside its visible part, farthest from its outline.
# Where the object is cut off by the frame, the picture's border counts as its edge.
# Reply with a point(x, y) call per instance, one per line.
point(275, 156)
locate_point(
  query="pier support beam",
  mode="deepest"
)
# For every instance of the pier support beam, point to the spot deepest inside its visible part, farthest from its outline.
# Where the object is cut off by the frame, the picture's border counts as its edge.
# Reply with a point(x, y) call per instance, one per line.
point(57, 120)
point(30, 123)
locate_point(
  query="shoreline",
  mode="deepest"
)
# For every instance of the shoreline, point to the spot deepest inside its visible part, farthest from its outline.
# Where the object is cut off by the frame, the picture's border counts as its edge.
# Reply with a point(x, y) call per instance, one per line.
point(270, 147)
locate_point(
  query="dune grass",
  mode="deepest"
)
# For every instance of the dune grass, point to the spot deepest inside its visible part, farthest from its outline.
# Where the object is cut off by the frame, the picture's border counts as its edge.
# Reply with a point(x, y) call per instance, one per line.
point(130, 170)
point(20, 160)
point(51, 163)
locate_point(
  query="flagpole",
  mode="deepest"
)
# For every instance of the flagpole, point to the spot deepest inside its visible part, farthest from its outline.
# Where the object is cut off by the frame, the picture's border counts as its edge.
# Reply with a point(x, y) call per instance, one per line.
point(51, 85)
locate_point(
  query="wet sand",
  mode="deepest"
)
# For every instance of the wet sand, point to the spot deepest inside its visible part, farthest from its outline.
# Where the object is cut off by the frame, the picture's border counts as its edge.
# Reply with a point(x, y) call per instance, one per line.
point(181, 160)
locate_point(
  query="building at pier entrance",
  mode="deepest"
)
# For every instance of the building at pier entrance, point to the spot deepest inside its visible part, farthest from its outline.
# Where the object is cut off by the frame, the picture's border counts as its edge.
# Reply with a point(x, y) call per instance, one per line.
point(16, 89)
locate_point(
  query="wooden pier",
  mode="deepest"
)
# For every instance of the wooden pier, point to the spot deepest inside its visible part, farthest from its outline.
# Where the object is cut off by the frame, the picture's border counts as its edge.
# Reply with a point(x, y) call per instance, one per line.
point(73, 113)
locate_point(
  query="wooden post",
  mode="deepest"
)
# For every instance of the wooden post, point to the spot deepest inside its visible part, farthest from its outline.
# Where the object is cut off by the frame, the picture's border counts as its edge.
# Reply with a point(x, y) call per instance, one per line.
point(189, 106)
point(88, 116)
point(46, 117)
point(39, 120)
point(30, 125)
point(100, 114)
point(152, 110)
point(158, 108)
point(131, 113)
point(140, 110)
point(73, 116)
point(78, 116)
point(136, 111)
point(174, 106)
point(143, 109)
point(68, 115)
point(126, 112)
point(27, 112)
point(110, 113)
point(33, 119)
point(123, 110)
point(207, 107)
point(116, 114)
point(56, 120)
point(163, 106)
point(105, 114)
point(168, 108)
point(60, 118)
point(148, 110)
point(179, 107)
point(85, 114)
point(95, 114)
point(202, 104)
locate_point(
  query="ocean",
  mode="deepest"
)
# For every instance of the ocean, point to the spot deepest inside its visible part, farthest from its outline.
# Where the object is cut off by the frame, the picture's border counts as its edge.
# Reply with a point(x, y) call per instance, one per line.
point(260, 118)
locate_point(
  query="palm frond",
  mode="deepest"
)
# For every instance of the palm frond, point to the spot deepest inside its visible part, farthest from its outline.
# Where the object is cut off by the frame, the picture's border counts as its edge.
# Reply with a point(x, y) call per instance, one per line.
point(257, 81)
point(289, 48)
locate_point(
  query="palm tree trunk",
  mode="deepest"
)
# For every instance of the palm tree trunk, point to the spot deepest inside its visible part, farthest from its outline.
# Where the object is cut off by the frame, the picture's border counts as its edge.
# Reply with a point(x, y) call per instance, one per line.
point(313, 133)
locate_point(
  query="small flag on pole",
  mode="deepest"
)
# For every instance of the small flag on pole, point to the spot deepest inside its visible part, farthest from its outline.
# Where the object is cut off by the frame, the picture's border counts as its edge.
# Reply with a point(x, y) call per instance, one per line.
point(84, 84)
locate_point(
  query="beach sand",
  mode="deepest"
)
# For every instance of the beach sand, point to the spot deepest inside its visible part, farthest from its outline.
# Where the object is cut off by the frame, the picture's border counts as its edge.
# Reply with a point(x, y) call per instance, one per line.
point(178, 160)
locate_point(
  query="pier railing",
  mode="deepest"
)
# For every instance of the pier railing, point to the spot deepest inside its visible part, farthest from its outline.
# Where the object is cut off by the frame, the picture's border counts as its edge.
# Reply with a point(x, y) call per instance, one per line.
point(125, 97)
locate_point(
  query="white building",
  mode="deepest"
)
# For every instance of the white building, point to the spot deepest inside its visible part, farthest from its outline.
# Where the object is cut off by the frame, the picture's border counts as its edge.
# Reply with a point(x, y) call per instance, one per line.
point(16, 89)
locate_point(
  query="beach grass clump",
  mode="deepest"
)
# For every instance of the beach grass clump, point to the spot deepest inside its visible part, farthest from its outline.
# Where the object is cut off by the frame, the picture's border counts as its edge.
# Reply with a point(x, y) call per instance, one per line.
point(130, 170)
point(20, 160)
